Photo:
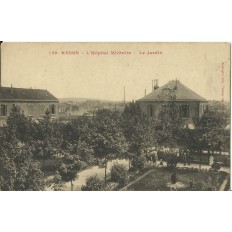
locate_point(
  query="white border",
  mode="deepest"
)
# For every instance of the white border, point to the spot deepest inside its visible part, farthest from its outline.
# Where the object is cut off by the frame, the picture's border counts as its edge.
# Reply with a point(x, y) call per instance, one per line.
point(165, 21)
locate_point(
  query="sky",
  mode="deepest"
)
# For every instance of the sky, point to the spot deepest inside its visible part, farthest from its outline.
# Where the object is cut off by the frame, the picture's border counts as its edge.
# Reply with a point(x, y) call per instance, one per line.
point(90, 70)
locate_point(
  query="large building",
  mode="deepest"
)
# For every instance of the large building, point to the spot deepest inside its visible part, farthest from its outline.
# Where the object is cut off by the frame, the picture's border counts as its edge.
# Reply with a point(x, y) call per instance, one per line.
point(190, 103)
point(32, 102)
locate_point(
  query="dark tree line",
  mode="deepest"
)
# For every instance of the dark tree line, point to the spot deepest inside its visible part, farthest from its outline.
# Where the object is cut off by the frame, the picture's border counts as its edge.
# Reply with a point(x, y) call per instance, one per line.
point(106, 136)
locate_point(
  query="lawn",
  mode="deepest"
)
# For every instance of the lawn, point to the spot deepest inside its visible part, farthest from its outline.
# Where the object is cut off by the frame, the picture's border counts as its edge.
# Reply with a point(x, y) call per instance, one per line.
point(160, 180)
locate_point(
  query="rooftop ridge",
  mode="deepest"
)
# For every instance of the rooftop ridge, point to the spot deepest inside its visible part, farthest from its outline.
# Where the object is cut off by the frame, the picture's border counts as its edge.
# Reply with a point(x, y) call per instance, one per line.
point(19, 88)
point(10, 93)
point(182, 93)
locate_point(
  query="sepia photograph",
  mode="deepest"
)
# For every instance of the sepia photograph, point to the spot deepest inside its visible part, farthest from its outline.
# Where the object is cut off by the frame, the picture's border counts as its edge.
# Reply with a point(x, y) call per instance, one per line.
point(115, 116)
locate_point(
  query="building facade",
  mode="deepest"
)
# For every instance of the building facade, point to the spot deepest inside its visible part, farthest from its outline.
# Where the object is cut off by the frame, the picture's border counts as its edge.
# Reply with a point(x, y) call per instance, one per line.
point(32, 102)
point(190, 103)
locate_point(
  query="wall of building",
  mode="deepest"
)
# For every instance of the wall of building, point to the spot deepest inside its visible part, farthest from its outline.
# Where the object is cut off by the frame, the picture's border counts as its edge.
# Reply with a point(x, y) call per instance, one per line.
point(33, 109)
point(202, 108)
point(195, 108)
point(156, 107)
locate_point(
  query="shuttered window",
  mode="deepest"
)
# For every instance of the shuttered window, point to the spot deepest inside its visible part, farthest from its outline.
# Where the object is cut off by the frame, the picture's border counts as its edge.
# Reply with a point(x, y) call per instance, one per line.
point(3, 110)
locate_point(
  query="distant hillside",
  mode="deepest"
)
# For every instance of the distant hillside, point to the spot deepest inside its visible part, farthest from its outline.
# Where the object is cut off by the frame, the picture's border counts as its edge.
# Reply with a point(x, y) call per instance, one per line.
point(75, 99)
point(81, 100)
point(80, 106)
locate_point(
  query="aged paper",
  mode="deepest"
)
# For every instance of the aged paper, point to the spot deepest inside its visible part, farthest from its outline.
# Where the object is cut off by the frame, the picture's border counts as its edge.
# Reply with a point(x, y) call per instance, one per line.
point(72, 81)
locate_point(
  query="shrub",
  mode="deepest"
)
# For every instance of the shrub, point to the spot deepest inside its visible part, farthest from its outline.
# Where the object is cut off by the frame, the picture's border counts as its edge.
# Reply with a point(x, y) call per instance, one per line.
point(138, 162)
point(49, 168)
point(119, 173)
point(93, 183)
point(209, 181)
point(172, 161)
point(203, 186)
point(161, 155)
point(215, 166)
point(110, 186)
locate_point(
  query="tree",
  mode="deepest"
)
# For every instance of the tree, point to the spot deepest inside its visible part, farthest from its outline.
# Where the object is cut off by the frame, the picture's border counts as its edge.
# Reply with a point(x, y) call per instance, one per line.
point(78, 130)
point(119, 173)
point(84, 151)
point(56, 182)
point(169, 125)
point(93, 183)
point(131, 117)
point(47, 138)
point(210, 127)
point(209, 119)
point(19, 126)
point(138, 162)
point(18, 170)
point(69, 168)
point(209, 134)
point(139, 131)
point(108, 139)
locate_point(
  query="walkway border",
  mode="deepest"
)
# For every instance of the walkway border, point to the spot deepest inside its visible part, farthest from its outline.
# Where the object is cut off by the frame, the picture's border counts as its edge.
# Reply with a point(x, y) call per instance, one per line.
point(224, 183)
point(136, 180)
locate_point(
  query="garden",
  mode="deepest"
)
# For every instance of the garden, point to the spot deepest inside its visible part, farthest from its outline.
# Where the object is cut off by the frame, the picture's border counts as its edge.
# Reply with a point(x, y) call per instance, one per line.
point(186, 180)
point(52, 154)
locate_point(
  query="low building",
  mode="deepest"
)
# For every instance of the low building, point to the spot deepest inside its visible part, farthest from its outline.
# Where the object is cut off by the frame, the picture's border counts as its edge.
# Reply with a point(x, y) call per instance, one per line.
point(190, 103)
point(65, 107)
point(32, 102)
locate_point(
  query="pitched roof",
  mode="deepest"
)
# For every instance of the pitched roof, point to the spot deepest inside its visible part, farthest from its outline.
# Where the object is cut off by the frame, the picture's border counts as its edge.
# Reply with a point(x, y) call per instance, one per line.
point(181, 92)
point(21, 94)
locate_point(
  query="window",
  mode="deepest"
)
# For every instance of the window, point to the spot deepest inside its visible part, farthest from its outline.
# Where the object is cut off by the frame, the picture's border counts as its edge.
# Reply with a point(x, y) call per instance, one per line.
point(204, 108)
point(52, 109)
point(3, 110)
point(185, 111)
point(150, 110)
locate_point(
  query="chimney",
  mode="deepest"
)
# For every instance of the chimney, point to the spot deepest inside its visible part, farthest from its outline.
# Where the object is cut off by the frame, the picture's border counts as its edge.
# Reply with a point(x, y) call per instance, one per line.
point(145, 92)
point(176, 84)
point(155, 84)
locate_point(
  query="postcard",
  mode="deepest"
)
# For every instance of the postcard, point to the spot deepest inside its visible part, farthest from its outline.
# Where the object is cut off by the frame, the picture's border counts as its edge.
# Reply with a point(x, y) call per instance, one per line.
point(115, 116)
